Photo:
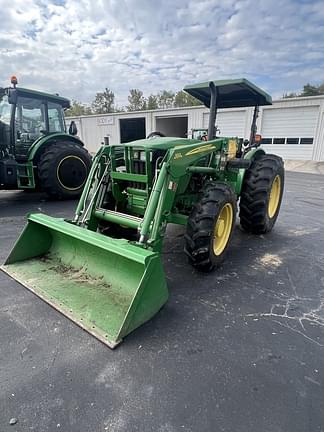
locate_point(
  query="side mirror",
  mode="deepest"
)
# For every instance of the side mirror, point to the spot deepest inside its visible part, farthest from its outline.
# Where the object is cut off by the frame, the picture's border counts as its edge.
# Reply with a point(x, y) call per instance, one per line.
point(73, 130)
point(12, 96)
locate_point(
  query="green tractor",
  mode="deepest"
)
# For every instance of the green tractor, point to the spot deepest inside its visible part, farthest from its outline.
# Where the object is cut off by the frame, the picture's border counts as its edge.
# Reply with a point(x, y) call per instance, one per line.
point(201, 134)
point(35, 150)
point(103, 269)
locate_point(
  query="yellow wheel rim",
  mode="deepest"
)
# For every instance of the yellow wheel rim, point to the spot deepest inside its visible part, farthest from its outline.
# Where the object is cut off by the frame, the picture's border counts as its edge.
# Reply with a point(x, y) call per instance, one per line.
point(222, 229)
point(274, 196)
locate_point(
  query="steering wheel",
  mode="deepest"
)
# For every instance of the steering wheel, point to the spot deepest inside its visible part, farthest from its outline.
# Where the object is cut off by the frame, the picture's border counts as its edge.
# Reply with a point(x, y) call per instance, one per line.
point(155, 134)
point(22, 129)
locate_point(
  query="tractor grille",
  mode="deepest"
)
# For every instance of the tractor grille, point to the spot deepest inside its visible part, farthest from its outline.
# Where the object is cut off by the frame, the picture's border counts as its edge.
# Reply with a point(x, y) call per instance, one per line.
point(139, 167)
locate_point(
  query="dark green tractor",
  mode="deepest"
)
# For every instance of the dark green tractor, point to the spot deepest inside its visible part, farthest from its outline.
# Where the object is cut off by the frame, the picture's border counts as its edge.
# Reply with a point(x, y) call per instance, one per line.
point(103, 269)
point(36, 152)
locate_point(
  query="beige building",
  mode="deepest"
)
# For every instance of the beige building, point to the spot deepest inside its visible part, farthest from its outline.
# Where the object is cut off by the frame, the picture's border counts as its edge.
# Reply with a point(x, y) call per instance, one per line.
point(292, 128)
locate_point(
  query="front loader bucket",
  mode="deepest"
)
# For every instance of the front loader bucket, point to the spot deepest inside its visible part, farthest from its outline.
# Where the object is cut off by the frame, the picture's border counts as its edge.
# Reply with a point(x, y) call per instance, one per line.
point(107, 286)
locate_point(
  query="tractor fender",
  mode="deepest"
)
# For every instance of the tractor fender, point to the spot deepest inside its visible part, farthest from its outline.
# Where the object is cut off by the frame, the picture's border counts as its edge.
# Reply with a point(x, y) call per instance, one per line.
point(37, 147)
point(250, 155)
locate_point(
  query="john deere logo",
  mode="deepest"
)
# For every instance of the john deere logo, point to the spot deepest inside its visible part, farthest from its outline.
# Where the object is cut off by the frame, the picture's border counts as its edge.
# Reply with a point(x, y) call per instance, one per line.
point(200, 149)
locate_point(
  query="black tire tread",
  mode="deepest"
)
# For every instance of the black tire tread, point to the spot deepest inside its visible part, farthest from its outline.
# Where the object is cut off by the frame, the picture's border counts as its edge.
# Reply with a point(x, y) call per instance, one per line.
point(46, 162)
point(201, 222)
point(255, 193)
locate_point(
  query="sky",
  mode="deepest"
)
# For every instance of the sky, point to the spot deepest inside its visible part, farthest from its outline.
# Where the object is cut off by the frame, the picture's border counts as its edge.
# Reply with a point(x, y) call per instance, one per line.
point(77, 47)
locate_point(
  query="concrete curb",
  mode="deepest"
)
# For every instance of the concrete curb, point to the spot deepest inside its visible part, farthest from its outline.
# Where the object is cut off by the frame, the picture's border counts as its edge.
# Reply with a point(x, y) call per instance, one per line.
point(304, 166)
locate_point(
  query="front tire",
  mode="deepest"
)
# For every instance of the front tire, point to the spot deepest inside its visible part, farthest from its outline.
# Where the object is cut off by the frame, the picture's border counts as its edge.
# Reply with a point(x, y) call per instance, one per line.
point(261, 195)
point(210, 226)
point(63, 169)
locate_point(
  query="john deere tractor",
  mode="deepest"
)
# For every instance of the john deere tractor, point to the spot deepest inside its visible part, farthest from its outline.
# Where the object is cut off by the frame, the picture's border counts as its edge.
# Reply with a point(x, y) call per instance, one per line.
point(103, 269)
point(35, 150)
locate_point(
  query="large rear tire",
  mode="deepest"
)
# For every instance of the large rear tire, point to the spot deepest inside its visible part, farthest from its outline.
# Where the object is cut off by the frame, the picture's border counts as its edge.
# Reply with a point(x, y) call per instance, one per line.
point(210, 226)
point(261, 194)
point(63, 169)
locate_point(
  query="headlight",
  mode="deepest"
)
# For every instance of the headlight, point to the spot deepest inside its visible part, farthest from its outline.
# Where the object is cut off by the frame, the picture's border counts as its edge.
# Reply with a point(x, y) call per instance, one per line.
point(139, 155)
point(142, 156)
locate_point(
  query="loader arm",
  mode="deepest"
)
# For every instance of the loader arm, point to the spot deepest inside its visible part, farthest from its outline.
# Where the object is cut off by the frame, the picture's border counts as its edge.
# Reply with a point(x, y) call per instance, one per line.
point(179, 163)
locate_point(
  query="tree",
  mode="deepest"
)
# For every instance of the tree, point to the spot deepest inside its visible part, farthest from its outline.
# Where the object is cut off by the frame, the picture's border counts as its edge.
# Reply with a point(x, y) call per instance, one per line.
point(136, 100)
point(183, 99)
point(152, 102)
point(166, 99)
point(77, 109)
point(118, 109)
point(289, 95)
point(104, 102)
point(308, 90)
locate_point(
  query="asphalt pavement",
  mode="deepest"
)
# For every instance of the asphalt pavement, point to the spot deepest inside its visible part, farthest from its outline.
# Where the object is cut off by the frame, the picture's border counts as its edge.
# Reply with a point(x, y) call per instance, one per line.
point(241, 349)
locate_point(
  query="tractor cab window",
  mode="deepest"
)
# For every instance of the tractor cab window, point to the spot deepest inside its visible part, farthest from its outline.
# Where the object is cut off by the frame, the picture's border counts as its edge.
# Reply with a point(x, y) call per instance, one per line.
point(5, 115)
point(55, 118)
point(5, 110)
point(30, 117)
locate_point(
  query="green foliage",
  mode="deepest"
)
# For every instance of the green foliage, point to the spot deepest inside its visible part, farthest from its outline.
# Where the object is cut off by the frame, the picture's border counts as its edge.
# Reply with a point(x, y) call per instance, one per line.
point(77, 109)
point(104, 102)
point(289, 95)
point(311, 90)
point(136, 100)
point(118, 109)
point(166, 99)
point(308, 90)
point(183, 99)
point(152, 102)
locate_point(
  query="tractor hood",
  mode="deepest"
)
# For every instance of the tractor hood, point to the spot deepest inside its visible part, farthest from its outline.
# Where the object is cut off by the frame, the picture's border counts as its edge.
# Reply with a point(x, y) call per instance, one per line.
point(234, 93)
point(160, 143)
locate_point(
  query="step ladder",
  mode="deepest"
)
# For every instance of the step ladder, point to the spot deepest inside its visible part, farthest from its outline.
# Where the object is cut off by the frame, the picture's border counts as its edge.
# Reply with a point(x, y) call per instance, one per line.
point(25, 176)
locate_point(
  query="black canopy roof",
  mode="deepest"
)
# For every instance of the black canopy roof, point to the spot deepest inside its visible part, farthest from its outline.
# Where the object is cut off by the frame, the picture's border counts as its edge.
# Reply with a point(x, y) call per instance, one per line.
point(232, 93)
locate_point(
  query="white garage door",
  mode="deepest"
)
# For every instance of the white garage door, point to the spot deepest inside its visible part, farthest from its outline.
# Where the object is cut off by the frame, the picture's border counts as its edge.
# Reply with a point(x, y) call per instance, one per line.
point(289, 132)
point(230, 123)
